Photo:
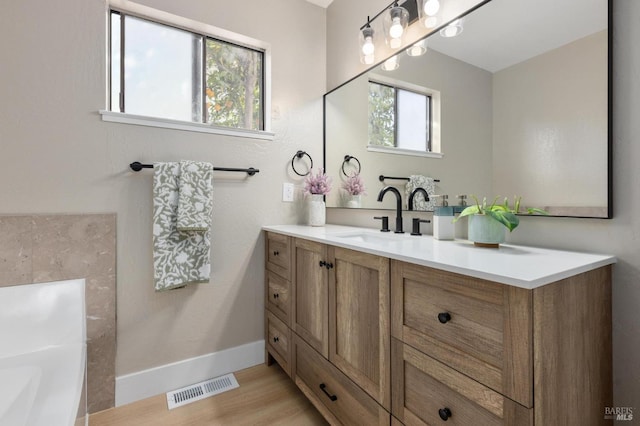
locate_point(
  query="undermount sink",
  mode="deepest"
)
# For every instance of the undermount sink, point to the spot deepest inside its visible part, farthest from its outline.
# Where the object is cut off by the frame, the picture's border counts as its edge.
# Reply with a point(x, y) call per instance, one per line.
point(368, 237)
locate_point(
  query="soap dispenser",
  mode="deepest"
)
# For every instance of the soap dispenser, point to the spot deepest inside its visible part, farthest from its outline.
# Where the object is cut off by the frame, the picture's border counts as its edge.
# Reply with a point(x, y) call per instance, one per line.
point(443, 226)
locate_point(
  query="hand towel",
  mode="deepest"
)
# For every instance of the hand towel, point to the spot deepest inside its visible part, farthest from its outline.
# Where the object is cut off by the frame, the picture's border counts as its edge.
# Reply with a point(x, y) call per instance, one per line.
point(194, 199)
point(419, 203)
point(179, 258)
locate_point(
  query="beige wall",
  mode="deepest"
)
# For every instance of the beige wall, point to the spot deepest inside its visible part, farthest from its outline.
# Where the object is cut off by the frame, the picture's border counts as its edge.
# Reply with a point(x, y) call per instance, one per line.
point(549, 121)
point(57, 156)
point(619, 236)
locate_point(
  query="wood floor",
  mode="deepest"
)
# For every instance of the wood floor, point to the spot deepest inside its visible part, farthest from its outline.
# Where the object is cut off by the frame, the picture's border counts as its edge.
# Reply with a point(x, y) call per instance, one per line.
point(266, 396)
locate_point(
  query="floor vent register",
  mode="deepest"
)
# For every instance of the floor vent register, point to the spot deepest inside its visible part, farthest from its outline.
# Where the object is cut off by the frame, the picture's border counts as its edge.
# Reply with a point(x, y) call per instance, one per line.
point(202, 390)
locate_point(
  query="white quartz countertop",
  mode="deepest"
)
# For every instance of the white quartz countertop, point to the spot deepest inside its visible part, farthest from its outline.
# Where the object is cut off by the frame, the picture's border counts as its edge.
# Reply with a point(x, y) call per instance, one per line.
point(520, 266)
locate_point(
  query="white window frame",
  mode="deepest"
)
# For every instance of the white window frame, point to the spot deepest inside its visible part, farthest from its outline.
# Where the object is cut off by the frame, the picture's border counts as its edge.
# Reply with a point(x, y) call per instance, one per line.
point(436, 147)
point(191, 25)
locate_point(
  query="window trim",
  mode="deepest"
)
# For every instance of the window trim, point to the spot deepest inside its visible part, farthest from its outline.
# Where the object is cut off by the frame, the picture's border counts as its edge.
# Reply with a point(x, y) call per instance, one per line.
point(186, 24)
point(434, 111)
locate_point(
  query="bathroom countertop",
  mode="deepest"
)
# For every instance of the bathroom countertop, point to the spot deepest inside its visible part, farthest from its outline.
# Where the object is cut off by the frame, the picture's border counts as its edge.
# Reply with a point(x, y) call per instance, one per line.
point(520, 266)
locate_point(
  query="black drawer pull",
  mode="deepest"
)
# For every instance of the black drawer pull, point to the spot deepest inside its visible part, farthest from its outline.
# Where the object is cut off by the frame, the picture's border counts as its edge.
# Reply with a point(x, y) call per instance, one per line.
point(324, 389)
point(276, 253)
point(327, 265)
point(444, 413)
point(276, 295)
point(276, 339)
point(444, 317)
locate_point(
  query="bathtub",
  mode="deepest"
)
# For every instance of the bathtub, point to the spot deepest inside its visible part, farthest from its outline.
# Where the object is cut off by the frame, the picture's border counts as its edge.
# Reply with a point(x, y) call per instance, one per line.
point(43, 354)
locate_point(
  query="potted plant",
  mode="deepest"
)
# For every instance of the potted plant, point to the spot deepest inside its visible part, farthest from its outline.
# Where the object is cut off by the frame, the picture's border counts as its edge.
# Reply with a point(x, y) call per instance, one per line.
point(354, 188)
point(317, 185)
point(487, 223)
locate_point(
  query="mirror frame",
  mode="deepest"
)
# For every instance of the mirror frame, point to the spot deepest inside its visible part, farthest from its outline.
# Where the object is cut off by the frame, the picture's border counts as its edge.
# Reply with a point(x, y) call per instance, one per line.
point(609, 162)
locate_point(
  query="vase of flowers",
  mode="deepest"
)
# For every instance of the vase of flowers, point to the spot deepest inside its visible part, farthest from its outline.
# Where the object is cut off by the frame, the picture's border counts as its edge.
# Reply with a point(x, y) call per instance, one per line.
point(354, 188)
point(317, 185)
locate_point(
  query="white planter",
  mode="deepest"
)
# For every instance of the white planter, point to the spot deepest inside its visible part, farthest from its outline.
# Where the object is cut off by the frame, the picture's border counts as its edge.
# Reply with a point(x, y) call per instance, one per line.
point(317, 210)
point(486, 231)
point(352, 201)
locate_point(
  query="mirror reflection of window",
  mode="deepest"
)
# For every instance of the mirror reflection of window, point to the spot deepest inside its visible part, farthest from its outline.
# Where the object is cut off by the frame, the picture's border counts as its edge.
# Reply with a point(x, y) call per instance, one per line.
point(399, 118)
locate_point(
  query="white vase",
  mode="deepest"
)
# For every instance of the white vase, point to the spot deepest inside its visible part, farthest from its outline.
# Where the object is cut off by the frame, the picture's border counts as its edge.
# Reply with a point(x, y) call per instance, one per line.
point(317, 210)
point(352, 201)
point(485, 230)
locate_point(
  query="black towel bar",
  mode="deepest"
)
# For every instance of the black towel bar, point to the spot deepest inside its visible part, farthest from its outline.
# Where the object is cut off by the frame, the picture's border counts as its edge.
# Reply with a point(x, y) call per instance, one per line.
point(136, 166)
point(383, 177)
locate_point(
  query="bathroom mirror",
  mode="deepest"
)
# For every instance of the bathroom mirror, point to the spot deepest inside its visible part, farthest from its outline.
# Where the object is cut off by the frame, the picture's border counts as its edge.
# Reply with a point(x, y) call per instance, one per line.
point(524, 109)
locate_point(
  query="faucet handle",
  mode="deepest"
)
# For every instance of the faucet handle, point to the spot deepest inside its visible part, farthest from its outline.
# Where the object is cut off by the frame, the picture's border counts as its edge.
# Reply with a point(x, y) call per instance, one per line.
point(416, 225)
point(385, 223)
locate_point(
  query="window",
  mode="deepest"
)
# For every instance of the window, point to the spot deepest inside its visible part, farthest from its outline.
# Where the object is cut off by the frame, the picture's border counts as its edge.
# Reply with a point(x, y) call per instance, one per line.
point(165, 72)
point(403, 118)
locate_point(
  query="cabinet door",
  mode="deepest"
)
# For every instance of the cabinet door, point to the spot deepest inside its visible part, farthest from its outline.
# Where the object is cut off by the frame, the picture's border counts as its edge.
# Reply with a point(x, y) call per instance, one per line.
point(278, 296)
point(480, 328)
point(278, 254)
point(311, 294)
point(359, 329)
point(427, 392)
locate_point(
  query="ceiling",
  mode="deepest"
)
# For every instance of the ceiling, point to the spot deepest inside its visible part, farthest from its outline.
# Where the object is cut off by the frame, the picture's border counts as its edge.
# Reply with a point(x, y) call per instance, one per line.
point(321, 3)
point(505, 32)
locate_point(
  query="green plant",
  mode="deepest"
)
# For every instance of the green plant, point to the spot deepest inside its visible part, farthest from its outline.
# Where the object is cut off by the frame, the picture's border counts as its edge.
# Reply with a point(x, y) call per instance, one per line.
point(503, 213)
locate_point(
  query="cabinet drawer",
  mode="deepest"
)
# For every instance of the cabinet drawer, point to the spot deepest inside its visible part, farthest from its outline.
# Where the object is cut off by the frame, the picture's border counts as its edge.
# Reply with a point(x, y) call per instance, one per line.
point(278, 296)
point(278, 256)
point(480, 328)
point(339, 395)
point(426, 392)
point(278, 338)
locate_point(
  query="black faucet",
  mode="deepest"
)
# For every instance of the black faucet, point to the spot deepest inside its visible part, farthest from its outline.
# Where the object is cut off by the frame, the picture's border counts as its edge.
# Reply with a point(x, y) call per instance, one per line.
point(398, 206)
point(413, 194)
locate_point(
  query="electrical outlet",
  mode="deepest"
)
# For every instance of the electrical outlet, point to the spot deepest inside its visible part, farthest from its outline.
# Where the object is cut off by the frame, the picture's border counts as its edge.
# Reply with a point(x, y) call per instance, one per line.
point(287, 192)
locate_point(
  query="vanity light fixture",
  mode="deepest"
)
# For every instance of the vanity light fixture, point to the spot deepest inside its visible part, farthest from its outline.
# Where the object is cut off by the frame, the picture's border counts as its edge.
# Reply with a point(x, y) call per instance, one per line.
point(430, 9)
point(418, 49)
point(395, 22)
point(453, 29)
point(391, 64)
point(367, 47)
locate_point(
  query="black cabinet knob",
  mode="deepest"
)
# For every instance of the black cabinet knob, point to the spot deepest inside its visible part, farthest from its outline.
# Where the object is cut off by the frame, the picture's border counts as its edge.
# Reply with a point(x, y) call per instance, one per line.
point(276, 339)
point(276, 295)
point(444, 413)
point(276, 253)
point(444, 317)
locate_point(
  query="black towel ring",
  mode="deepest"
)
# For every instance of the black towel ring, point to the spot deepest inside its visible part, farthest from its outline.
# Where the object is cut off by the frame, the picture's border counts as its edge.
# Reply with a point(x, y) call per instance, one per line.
point(348, 158)
point(301, 154)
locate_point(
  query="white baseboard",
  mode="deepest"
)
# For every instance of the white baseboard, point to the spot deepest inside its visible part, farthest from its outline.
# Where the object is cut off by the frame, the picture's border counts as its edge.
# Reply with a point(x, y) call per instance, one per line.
point(144, 384)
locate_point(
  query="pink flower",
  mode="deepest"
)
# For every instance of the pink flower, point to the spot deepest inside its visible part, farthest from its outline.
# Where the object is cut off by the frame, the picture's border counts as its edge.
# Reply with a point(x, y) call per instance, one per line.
point(318, 183)
point(354, 185)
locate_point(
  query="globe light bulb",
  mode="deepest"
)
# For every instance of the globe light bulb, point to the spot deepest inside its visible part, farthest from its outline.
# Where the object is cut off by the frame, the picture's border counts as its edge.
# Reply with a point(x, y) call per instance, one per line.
point(431, 7)
point(396, 29)
point(390, 64)
point(431, 22)
point(368, 59)
point(367, 47)
point(453, 29)
point(395, 43)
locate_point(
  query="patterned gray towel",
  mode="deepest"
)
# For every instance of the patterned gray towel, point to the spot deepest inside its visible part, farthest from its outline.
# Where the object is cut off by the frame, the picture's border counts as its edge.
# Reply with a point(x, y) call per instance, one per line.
point(194, 200)
point(179, 258)
point(419, 181)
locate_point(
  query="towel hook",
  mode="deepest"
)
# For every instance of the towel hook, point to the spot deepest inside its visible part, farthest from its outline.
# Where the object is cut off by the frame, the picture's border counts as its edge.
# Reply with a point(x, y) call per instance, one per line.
point(301, 154)
point(348, 158)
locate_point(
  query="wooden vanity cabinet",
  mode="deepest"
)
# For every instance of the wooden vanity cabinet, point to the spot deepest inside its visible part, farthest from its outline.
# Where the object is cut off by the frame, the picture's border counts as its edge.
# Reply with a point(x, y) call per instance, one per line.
point(490, 353)
point(374, 341)
point(339, 329)
point(278, 299)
